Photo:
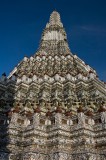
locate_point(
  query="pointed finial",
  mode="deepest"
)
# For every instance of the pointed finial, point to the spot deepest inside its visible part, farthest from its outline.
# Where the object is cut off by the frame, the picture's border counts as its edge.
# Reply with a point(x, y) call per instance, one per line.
point(55, 18)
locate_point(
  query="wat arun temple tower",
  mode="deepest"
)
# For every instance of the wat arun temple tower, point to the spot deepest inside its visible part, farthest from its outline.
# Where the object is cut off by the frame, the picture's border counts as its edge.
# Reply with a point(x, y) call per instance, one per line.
point(52, 105)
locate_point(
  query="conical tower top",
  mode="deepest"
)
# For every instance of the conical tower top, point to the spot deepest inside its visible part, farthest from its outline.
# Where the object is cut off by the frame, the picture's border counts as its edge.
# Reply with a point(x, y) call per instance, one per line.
point(54, 34)
point(55, 19)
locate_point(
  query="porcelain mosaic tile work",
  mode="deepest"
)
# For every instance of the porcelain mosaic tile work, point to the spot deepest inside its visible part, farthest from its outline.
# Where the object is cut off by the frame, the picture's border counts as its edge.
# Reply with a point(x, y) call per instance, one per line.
point(52, 105)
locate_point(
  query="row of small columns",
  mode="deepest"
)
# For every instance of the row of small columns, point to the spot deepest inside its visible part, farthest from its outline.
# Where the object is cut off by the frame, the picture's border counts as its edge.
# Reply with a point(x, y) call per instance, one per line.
point(58, 115)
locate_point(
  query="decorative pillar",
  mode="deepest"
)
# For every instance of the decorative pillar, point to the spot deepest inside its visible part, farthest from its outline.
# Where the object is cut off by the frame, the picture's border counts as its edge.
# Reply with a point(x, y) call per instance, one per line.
point(14, 116)
point(58, 116)
point(69, 114)
point(102, 110)
point(48, 115)
point(81, 116)
point(90, 119)
point(36, 118)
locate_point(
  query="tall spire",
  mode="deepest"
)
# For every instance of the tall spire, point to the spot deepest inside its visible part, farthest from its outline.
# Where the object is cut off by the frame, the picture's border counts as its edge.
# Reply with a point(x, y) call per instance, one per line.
point(55, 19)
point(54, 34)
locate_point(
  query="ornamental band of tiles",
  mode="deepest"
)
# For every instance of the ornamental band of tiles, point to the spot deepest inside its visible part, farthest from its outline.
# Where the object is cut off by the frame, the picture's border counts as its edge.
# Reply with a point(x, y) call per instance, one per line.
point(52, 105)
